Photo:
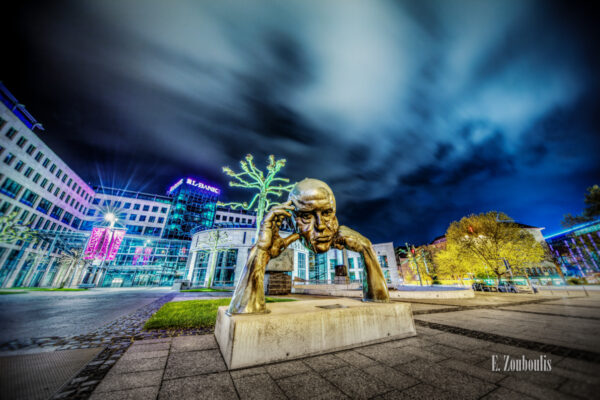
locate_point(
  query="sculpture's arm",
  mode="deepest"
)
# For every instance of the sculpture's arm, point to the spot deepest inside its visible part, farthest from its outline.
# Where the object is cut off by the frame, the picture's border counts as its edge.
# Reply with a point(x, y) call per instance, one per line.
point(375, 285)
point(249, 295)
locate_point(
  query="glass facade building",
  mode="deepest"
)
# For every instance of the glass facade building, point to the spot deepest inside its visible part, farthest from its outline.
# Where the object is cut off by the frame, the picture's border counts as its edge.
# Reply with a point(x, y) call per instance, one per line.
point(576, 250)
point(193, 206)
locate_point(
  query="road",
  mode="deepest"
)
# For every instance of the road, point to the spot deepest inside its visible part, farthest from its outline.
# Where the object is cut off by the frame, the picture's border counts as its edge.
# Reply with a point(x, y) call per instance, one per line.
point(43, 314)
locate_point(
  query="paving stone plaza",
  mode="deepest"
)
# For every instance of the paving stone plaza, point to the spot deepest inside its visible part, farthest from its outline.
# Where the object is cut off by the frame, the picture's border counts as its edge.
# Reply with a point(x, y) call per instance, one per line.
point(451, 357)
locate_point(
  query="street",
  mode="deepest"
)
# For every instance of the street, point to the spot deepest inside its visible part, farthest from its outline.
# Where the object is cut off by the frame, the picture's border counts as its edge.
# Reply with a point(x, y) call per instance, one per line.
point(45, 314)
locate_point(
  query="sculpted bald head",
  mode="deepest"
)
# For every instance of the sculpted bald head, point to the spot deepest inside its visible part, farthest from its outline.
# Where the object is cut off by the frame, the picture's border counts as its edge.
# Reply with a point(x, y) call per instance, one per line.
point(314, 213)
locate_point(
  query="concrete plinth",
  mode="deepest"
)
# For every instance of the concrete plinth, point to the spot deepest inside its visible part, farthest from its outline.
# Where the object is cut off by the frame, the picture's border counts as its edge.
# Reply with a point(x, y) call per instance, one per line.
point(305, 328)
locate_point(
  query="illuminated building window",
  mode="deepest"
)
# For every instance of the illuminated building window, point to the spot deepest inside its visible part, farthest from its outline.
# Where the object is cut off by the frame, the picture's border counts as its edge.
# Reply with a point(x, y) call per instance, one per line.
point(19, 165)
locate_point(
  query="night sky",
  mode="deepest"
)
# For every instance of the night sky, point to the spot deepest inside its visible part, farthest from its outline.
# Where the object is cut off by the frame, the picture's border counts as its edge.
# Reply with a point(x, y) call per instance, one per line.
point(415, 112)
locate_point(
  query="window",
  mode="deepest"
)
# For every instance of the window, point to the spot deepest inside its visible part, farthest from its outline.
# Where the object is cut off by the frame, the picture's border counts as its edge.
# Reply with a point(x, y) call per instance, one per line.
point(142, 218)
point(117, 204)
point(136, 206)
point(67, 218)
point(91, 212)
point(39, 223)
point(155, 209)
point(106, 203)
point(46, 162)
point(67, 199)
point(64, 178)
point(96, 201)
point(302, 265)
point(39, 156)
point(4, 207)
point(10, 188)
point(56, 212)
point(28, 172)
point(146, 208)
point(10, 157)
point(58, 173)
point(36, 178)
point(134, 229)
point(23, 216)
point(53, 168)
point(11, 133)
point(29, 197)
point(163, 210)
point(56, 191)
point(70, 181)
point(218, 217)
point(49, 187)
point(1, 149)
point(21, 142)
point(151, 219)
point(2, 123)
point(30, 149)
point(132, 217)
point(19, 165)
point(161, 220)
point(62, 195)
point(127, 206)
point(44, 206)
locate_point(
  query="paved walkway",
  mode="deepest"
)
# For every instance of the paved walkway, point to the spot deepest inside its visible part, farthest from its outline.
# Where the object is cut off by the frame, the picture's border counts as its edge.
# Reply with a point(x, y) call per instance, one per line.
point(437, 364)
point(434, 365)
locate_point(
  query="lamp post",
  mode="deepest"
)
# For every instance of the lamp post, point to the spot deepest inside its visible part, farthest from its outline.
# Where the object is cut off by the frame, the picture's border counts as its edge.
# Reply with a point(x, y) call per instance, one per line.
point(111, 219)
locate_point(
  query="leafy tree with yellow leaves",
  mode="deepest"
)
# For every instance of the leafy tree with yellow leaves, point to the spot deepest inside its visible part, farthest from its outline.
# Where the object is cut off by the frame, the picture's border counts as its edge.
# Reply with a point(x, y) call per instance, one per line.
point(494, 241)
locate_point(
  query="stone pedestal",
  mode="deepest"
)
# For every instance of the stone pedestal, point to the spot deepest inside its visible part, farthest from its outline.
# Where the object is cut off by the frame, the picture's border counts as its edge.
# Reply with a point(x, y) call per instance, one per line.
point(306, 328)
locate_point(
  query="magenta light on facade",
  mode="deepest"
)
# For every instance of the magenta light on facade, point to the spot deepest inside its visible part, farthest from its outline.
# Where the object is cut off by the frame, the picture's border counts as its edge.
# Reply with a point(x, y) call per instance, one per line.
point(136, 256)
point(95, 243)
point(147, 254)
point(114, 244)
point(103, 243)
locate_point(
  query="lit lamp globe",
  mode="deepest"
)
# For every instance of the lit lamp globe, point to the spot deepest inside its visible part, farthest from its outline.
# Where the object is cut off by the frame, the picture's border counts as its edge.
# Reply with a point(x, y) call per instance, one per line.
point(111, 218)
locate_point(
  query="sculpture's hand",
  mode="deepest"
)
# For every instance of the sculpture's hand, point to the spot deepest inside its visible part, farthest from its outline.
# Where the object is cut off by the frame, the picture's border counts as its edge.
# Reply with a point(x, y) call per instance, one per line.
point(268, 236)
point(351, 240)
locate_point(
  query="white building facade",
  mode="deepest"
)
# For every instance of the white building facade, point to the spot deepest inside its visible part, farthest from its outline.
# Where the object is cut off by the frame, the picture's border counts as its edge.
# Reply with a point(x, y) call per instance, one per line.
point(230, 254)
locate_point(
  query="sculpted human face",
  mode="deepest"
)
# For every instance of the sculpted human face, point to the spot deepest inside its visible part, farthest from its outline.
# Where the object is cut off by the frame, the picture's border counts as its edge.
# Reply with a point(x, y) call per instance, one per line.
point(315, 218)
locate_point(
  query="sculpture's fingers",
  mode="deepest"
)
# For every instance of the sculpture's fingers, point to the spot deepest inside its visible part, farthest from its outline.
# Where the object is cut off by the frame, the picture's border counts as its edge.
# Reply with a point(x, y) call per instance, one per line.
point(290, 239)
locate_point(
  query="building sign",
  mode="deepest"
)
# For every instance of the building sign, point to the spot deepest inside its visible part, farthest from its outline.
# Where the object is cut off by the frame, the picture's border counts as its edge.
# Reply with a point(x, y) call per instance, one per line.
point(175, 186)
point(195, 183)
point(202, 186)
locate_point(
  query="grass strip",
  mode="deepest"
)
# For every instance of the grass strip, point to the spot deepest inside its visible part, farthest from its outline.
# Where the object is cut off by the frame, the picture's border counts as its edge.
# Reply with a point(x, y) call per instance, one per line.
point(207, 290)
point(192, 313)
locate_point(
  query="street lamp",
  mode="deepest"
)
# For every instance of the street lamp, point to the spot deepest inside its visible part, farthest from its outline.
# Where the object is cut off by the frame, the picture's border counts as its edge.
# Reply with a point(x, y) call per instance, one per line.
point(110, 218)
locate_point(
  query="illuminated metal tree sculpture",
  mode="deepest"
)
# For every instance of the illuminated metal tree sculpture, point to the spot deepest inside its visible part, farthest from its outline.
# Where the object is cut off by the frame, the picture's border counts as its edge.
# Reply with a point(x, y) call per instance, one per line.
point(12, 230)
point(253, 178)
point(216, 242)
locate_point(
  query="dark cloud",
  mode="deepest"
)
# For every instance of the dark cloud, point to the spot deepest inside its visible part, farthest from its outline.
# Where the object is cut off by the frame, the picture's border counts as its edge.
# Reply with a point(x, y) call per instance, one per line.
point(416, 113)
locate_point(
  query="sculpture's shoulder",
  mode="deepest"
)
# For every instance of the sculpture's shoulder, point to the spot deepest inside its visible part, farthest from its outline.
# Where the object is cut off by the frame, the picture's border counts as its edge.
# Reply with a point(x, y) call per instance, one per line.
point(345, 231)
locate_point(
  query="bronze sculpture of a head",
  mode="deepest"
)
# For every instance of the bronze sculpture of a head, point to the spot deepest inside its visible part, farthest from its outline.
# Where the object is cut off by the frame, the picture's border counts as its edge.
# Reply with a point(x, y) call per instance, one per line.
point(314, 214)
